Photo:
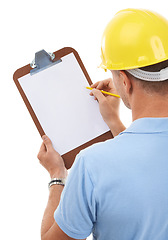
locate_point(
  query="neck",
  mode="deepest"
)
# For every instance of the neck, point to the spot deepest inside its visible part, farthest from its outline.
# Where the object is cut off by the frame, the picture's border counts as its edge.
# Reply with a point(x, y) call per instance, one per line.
point(149, 105)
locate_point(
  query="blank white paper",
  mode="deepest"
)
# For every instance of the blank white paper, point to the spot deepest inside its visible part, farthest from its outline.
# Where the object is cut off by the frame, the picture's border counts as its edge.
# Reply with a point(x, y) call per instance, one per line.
point(67, 113)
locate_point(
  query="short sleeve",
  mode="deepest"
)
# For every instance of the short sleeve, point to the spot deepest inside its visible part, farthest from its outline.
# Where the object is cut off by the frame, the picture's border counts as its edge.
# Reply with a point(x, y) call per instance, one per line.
point(76, 212)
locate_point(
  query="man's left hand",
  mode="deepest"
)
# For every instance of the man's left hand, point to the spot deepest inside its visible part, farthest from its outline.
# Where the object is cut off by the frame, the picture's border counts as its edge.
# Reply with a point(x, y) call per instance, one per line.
point(51, 160)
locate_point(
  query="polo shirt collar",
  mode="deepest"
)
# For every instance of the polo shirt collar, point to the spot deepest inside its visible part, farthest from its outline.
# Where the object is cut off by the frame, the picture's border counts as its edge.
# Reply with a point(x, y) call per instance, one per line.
point(148, 125)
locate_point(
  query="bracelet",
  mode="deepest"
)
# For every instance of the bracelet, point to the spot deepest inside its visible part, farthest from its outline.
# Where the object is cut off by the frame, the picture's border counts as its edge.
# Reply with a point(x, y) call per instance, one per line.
point(58, 181)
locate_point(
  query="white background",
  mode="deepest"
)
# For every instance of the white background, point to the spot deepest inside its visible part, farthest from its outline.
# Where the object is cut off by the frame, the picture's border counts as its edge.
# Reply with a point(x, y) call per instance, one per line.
point(25, 28)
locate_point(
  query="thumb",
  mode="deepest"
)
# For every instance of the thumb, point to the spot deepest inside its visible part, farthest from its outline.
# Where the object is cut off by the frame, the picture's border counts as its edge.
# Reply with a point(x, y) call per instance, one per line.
point(98, 94)
point(47, 142)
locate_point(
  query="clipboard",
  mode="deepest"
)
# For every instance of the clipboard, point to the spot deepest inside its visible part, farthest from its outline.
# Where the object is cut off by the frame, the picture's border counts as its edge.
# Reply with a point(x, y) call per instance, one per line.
point(45, 62)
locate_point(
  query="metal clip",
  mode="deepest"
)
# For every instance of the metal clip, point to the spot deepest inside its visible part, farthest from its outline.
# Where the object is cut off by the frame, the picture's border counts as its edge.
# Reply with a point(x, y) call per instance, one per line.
point(42, 61)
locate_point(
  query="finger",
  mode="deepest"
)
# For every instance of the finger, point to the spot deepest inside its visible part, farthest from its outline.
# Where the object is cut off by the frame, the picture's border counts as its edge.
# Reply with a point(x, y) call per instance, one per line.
point(98, 95)
point(42, 148)
point(94, 85)
point(47, 142)
point(105, 83)
point(41, 151)
point(91, 94)
point(111, 83)
point(109, 86)
point(102, 84)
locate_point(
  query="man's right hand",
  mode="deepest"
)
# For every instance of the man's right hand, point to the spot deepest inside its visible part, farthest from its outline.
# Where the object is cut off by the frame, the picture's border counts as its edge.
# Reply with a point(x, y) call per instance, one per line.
point(108, 105)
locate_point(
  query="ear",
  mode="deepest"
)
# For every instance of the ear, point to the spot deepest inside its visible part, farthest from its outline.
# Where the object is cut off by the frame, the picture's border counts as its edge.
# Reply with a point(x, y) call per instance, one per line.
point(126, 82)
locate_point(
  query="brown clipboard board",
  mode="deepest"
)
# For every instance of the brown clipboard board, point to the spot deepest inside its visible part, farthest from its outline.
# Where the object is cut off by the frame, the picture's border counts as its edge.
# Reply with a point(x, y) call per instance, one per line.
point(68, 157)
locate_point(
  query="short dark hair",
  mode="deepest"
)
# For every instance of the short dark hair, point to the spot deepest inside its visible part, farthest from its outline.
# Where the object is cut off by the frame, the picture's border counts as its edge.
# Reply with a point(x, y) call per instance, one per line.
point(160, 87)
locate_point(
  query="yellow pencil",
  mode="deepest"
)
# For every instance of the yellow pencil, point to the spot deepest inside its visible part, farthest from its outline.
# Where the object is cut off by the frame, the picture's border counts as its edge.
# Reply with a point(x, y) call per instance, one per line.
point(112, 94)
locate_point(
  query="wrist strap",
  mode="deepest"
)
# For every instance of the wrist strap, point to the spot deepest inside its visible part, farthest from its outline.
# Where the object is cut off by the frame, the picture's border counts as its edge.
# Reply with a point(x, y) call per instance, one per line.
point(58, 181)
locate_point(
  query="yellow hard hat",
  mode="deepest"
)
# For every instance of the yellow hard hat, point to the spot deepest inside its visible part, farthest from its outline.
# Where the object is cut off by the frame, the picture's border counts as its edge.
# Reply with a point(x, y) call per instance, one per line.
point(134, 38)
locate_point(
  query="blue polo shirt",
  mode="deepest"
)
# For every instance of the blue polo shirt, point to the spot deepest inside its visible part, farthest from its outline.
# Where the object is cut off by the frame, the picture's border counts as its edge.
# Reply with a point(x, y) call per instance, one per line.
point(118, 189)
